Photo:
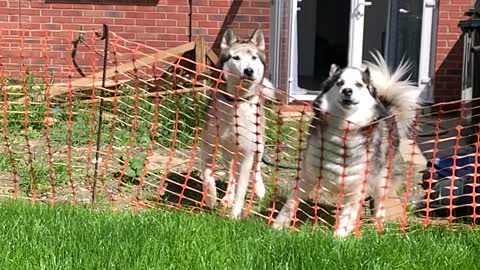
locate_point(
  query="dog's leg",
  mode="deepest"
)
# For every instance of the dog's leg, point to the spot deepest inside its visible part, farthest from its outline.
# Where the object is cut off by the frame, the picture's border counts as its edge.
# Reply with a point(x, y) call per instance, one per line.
point(283, 218)
point(206, 150)
point(379, 196)
point(227, 200)
point(348, 215)
point(259, 186)
point(245, 166)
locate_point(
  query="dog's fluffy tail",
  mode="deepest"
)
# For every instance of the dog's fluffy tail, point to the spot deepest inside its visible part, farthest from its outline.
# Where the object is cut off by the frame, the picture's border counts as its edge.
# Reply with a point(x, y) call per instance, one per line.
point(398, 94)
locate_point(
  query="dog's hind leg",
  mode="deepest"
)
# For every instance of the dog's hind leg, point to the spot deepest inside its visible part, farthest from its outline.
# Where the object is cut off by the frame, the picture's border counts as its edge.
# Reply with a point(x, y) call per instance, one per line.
point(245, 167)
point(227, 200)
point(378, 201)
point(259, 185)
point(285, 216)
point(207, 165)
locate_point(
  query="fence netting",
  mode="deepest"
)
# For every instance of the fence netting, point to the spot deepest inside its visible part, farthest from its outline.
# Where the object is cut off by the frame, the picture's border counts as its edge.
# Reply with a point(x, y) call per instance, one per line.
point(134, 139)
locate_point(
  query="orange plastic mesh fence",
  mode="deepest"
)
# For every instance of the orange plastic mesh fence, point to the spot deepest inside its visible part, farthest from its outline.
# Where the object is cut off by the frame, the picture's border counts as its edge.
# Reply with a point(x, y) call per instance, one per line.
point(154, 148)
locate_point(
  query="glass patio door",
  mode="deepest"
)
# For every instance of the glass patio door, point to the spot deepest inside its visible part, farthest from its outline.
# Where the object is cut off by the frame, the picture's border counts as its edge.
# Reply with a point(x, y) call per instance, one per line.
point(344, 33)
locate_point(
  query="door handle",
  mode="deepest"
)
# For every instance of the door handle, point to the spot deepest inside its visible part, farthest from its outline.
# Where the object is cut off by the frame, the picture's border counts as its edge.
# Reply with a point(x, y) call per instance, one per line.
point(430, 3)
point(359, 12)
point(365, 3)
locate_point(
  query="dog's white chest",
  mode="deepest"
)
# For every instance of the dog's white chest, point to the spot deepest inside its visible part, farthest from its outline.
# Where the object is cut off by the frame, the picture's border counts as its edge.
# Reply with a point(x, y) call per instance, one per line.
point(240, 126)
point(334, 160)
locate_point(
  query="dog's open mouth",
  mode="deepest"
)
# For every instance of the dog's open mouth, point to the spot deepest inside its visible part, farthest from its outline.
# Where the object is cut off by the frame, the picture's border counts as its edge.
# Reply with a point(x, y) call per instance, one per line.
point(348, 102)
point(248, 78)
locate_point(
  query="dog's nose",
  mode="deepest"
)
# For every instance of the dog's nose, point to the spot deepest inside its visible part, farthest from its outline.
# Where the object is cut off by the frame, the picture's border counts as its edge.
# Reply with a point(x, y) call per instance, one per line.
point(248, 72)
point(347, 92)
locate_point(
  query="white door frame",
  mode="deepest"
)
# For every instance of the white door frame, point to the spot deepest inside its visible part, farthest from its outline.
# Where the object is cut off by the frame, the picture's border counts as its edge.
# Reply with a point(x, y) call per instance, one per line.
point(425, 69)
point(355, 54)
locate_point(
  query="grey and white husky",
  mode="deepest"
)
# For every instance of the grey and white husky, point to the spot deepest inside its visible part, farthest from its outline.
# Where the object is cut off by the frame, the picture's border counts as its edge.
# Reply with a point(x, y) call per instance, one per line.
point(360, 117)
point(235, 121)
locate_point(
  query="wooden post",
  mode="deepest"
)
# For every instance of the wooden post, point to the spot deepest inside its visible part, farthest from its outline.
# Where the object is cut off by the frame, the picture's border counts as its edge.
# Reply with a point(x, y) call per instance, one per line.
point(201, 59)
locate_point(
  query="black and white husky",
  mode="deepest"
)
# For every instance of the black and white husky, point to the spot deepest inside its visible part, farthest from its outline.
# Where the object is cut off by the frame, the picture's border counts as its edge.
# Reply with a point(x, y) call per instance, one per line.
point(235, 121)
point(352, 150)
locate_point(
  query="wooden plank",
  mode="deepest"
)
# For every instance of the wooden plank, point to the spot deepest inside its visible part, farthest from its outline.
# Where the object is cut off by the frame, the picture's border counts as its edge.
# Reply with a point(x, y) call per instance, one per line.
point(200, 54)
point(144, 61)
point(213, 57)
point(152, 94)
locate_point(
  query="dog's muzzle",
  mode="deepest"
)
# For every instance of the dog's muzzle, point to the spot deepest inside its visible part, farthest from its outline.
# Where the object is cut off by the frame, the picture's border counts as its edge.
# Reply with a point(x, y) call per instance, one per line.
point(347, 97)
point(248, 73)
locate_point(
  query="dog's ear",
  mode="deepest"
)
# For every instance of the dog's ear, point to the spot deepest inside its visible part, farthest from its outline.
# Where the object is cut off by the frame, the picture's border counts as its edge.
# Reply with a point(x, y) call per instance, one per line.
point(228, 39)
point(258, 39)
point(366, 75)
point(333, 69)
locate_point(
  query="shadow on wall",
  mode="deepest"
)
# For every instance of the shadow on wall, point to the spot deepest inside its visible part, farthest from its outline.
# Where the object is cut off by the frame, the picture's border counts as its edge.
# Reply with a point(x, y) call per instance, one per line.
point(448, 76)
point(229, 18)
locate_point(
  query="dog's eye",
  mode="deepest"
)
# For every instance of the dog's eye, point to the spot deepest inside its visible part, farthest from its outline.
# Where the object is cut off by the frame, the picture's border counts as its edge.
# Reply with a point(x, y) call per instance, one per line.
point(254, 57)
point(359, 85)
point(340, 83)
point(236, 57)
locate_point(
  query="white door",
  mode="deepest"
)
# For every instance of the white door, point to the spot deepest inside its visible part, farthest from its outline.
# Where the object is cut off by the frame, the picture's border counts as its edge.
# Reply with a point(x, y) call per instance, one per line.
point(344, 32)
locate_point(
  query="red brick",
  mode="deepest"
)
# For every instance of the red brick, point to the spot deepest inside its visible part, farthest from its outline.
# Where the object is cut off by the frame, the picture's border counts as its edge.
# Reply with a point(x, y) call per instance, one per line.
point(168, 37)
point(260, 4)
point(260, 19)
point(50, 26)
point(41, 19)
point(173, 16)
point(30, 11)
point(145, 8)
point(220, 3)
point(146, 36)
point(83, 20)
point(177, 30)
point(134, 14)
point(114, 14)
point(76, 13)
point(144, 22)
point(61, 6)
point(206, 10)
point(10, 11)
point(176, 2)
point(156, 43)
point(93, 13)
point(128, 21)
point(133, 28)
point(83, 7)
point(102, 20)
point(208, 24)
point(50, 12)
point(165, 23)
point(448, 7)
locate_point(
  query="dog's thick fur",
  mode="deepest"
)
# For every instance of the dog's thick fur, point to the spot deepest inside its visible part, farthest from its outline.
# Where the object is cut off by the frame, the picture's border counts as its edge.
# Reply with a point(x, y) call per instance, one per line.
point(235, 121)
point(360, 117)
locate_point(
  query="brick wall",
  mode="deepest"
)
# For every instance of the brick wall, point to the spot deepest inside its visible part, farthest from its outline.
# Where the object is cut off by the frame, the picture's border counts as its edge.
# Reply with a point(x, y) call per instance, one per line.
point(449, 57)
point(168, 24)
point(164, 25)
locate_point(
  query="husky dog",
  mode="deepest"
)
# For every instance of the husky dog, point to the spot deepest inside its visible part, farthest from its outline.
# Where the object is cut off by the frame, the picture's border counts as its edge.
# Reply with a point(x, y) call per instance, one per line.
point(352, 151)
point(235, 121)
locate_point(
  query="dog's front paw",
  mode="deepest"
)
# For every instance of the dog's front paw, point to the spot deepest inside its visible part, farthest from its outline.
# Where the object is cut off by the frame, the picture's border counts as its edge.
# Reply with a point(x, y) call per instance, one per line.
point(227, 200)
point(236, 212)
point(279, 225)
point(341, 233)
point(210, 201)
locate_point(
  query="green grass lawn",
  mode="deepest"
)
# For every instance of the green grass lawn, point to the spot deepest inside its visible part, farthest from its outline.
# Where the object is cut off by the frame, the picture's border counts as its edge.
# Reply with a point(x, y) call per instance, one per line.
point(65, 237)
